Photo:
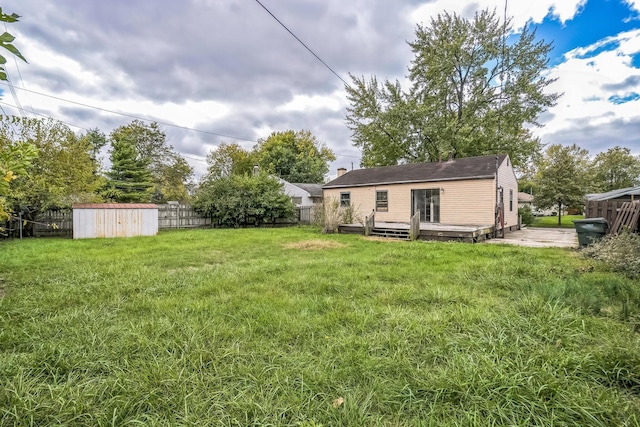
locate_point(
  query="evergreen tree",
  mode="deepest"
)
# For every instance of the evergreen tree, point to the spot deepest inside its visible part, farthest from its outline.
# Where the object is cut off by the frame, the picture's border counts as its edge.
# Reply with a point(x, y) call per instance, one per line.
point(129, 178)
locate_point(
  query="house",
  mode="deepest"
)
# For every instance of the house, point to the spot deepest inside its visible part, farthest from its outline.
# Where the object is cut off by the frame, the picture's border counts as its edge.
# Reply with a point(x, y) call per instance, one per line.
point(525, 199)
point(460, 192)
point(303, 194)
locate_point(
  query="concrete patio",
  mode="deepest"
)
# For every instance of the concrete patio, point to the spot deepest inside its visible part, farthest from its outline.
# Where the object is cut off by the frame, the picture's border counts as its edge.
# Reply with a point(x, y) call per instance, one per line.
point(540, 238)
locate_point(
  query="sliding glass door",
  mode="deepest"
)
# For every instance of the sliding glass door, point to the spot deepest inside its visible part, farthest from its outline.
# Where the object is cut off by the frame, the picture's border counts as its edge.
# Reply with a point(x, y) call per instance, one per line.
point(428, 203)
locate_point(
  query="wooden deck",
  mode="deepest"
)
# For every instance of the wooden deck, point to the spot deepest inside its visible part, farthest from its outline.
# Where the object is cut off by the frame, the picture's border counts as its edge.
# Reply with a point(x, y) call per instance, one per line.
point(428, 231)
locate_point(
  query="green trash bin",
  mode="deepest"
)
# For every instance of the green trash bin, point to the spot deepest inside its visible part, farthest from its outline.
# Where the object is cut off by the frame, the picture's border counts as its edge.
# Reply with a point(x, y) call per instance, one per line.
point(590, 229)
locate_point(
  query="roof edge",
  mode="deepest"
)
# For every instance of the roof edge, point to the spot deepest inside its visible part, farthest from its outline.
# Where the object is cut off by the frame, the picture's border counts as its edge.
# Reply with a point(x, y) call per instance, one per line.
point(370, 184)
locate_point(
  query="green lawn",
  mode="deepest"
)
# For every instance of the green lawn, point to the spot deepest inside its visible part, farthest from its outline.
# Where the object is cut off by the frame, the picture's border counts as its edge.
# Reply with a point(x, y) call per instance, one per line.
point(291, 327)
point(552, 221)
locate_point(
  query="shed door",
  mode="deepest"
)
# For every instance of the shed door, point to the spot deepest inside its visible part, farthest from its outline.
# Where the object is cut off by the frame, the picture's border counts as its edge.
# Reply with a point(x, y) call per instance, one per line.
point(428, 202)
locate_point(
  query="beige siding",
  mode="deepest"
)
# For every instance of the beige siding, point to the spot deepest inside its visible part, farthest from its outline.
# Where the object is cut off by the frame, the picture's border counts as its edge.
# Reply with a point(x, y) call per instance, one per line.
point(468, 202)
point(464, 202)
point(507, 180)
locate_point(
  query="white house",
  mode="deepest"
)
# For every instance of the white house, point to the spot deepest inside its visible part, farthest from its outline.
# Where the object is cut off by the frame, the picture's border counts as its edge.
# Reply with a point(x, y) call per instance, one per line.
point(303, 194)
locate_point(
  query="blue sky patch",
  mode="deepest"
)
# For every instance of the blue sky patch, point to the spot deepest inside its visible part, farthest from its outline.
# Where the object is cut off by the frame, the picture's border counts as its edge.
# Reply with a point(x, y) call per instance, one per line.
point(615, 99)
point(635, 60)
point(597, 20)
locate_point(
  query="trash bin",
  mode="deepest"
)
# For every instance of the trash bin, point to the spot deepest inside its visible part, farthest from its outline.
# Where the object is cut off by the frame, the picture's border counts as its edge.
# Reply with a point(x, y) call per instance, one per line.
point(590, 229)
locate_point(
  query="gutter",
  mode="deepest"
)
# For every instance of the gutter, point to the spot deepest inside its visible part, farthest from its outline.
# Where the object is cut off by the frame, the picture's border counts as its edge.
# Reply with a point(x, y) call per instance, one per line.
point(369, 184)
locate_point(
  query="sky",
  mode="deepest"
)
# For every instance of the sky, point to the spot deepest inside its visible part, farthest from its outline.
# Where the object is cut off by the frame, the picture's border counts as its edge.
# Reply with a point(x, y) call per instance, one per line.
point(212, 71)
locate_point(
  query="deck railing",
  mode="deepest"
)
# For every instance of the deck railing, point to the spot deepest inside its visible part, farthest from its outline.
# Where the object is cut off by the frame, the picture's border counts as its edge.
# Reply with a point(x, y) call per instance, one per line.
point(414, 226)
point(369, 223)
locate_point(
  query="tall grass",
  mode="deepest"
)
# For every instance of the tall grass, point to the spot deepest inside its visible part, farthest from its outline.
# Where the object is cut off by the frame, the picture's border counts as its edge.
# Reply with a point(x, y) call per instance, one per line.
point(273, 327)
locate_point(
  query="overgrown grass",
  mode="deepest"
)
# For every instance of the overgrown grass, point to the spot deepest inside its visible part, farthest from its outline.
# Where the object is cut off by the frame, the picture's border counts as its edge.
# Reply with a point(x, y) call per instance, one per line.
point(552, 221)
point(273, 326)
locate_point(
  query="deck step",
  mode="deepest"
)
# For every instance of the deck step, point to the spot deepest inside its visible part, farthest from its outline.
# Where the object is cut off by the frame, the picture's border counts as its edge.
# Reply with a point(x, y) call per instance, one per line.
point(392, 233)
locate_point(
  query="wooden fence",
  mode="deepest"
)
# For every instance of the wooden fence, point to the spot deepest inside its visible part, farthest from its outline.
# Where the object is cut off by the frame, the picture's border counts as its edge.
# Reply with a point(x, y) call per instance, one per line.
point(181, 216)
point(607, 209)
point(60, 222)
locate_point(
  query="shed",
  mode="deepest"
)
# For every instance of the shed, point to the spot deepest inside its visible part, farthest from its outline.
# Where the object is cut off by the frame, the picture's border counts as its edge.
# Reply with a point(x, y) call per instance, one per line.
point(93, 220)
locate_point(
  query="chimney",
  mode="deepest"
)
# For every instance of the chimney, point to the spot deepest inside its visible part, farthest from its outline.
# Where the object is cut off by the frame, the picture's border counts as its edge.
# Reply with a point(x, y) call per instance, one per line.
point(341, 171)
point(256, 169)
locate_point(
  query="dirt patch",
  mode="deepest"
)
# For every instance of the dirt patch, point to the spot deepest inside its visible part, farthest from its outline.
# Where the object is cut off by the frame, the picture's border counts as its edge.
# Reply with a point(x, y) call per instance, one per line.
point(316, 244)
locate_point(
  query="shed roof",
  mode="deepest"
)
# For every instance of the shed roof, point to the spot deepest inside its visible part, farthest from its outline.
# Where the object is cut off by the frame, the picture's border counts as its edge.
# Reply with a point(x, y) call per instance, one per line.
point(483, 167)
point(314, 190)
point(614, 194)
point(115, 206)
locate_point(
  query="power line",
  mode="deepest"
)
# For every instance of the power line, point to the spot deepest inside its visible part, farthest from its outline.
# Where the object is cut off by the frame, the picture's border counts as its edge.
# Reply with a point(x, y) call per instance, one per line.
point(131, 115)
point(302, 43)
point(41, 115)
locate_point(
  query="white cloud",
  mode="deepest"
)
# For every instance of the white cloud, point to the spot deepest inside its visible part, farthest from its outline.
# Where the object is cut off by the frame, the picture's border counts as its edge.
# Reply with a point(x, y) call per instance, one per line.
point(521, 11)
point(589, 77)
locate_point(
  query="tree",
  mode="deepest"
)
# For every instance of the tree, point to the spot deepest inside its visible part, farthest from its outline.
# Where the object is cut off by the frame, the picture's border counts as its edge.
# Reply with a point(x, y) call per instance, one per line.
point(170, 172)
point(60, 175)
point(239, 200)
point(5, 42)
point(616, 168)
point(562, 178)
point(229, 159)
point(294, 156)
point(129, 180)
point(14, 157)
point(472, 94)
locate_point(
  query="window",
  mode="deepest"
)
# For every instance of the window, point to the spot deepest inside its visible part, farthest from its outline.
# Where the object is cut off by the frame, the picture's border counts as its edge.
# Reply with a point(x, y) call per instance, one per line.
point(382, 201)
point(511, 200)
point(297, 200)
point(345, 200)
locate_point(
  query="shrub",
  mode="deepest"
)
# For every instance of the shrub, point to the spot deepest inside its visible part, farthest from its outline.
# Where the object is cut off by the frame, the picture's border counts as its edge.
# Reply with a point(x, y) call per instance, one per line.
point(240, 200)
point(619, 252)
point(334, 215)
point(527, 216)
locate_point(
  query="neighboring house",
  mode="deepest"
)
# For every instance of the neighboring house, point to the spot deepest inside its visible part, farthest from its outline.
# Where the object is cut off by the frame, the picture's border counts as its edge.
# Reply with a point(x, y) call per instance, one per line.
point(456, 192)
point(629, 194)
point(303, 194)
point(525, 199)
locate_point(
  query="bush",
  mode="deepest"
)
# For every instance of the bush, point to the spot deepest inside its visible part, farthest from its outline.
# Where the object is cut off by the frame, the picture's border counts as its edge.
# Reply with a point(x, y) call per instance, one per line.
point(334, 215)
point(619, 252)
point(527, 216)
point(241, 200)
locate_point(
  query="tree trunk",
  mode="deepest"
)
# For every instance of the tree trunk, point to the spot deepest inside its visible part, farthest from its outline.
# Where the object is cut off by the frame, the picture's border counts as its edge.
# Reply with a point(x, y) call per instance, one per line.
point(559, 214)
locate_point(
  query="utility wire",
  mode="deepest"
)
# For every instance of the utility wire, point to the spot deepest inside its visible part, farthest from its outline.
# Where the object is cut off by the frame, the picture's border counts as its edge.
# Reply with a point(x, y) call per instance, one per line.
point(131, 115)
point(41, 115)
point(15, 60)
point(302, 43)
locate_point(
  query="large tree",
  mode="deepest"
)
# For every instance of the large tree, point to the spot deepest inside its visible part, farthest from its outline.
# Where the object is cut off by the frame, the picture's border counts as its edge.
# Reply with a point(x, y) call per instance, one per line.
point(472, 93)
point(563, 178)
point(169, 170)
point(294, 156)
point(61, 174)
point(229, 159)
point(616, 168)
